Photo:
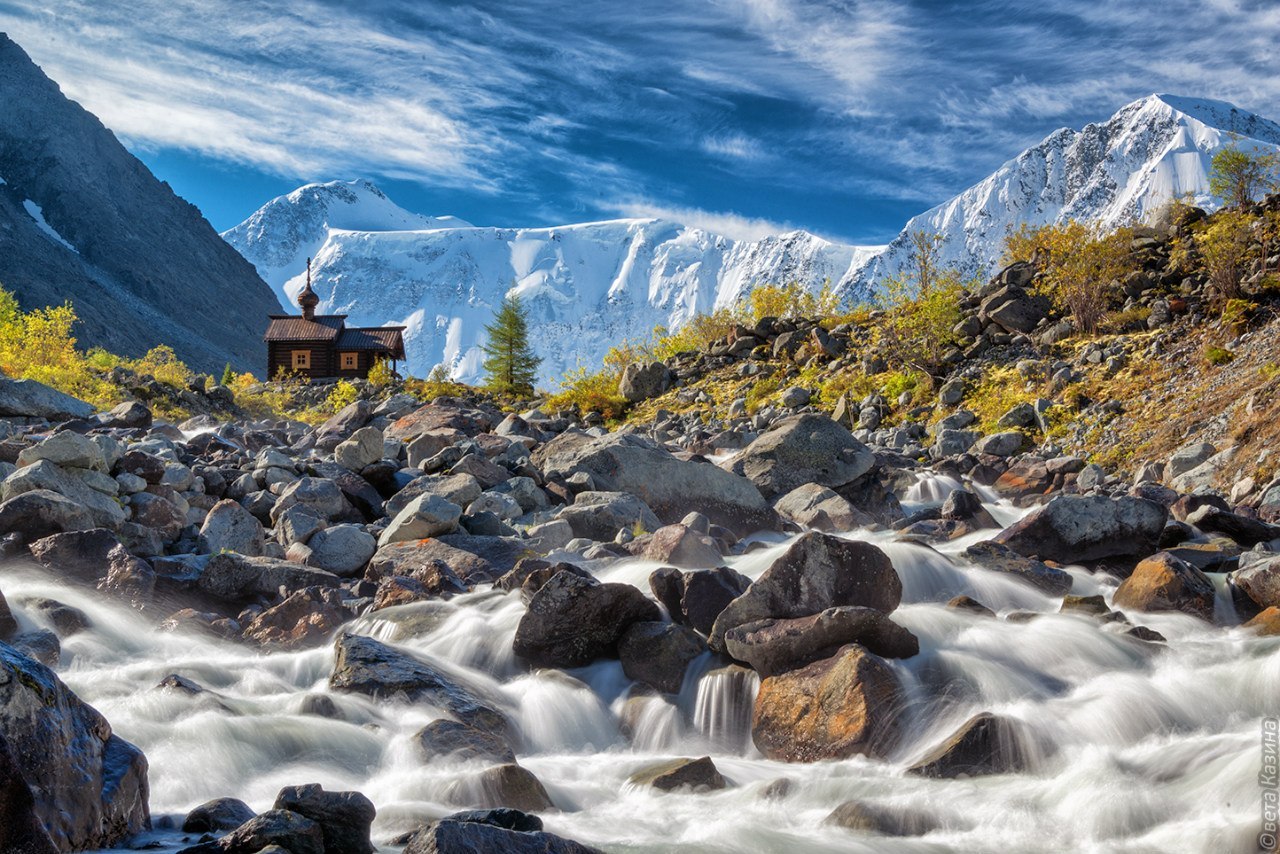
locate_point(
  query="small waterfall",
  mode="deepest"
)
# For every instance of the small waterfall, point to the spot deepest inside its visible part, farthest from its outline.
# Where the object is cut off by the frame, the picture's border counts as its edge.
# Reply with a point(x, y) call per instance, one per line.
point(722, 709)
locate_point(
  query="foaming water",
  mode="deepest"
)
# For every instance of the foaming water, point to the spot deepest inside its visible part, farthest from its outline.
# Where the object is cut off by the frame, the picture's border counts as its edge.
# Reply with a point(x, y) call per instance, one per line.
point(1131, 746)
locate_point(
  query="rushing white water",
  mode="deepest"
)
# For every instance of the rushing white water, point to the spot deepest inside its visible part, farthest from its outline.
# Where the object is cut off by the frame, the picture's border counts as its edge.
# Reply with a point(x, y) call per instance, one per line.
point(1134, 747)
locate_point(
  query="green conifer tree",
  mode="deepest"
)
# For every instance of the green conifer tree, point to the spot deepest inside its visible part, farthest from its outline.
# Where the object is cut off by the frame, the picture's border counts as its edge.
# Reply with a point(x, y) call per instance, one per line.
point(509, 361)
point(228, 375)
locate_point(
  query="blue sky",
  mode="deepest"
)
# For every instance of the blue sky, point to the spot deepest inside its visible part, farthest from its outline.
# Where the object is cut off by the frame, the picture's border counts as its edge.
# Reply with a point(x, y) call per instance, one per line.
point(844, 118)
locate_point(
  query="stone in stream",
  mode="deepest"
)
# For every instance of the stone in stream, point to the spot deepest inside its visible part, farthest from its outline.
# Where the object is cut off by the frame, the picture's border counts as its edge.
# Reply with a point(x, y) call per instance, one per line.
point(291, 831)
point(84, 555)
point(20, 829)
point(8, 624)
point(842, 706)
point(657, 654)
point(1266, 622)
point(344, 817)
point(696, 598)
point(572, 620)
point(91, 785)
point(821, 508)
point(306, 617)
point(996, 557)
point(365, 666)
point(869, 818)
point(1165, 583)
point(678, 545)
point(692, 774)
point(454, 837)
point(512, 786)
point(773, 646)
point(1075, 528)
point(218, 814)
point(1245, 531)
point(816, 572)
point(985, 744)
point(671, 487)
point(450, 739)
point(1258, 578)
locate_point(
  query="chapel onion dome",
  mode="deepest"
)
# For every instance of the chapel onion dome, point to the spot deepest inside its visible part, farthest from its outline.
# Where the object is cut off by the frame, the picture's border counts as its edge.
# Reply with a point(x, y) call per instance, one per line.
point(307, 298)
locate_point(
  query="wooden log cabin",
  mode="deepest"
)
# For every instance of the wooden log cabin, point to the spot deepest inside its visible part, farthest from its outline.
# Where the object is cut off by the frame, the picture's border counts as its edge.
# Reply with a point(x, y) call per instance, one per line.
point(322, 346)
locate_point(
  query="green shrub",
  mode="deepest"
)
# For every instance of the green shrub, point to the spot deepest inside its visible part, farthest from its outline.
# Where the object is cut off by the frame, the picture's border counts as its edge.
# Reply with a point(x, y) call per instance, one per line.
point(1215, 355)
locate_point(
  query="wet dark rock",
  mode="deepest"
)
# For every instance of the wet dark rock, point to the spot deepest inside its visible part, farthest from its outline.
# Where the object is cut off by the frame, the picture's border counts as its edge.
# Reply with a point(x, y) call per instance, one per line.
point(514, 787)
point(8, 624)
point(21, 831)
point(218, 814)
point(529, 574)
point(996, 557)
point(344, 817)
point(66, 621)
point(970, 605)
point(816, 572)
point(41, 645)
point(92, 785)
point(1245, 531)
point(234, 577)
point(306, 617)
point(842, 706)
point(1074, 528)
point(773, 646)
point(290, 831)
point(657, 654)
point(453, 837)
point(571, 621)
point(696, 598)
point(985, 744)
point(869, 818)
point(450, 739)
point(694, 774)
point(366, 666)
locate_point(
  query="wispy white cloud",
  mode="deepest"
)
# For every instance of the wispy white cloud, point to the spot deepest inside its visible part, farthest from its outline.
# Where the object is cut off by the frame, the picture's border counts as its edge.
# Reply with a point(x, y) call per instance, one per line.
point(825, 113)
point(729, 224)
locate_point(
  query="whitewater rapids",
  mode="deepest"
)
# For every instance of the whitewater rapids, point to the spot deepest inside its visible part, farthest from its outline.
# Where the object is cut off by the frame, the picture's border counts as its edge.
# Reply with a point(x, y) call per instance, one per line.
point(1134, 747)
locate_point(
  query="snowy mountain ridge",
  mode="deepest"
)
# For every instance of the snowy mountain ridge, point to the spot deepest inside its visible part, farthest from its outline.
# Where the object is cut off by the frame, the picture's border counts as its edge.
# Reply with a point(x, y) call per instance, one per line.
point(586, 286)
point(1110, 173)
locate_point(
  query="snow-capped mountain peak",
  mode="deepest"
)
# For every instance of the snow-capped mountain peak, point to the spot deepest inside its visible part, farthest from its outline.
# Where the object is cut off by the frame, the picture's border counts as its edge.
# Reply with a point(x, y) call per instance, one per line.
point(1110, 173)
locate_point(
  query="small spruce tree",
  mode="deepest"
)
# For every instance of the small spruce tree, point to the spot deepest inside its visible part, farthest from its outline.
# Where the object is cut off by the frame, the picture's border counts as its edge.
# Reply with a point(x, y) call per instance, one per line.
point(509, 361)
point(228, 375)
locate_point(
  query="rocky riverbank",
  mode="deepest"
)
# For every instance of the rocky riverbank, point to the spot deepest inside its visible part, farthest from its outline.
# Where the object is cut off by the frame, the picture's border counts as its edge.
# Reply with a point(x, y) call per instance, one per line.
point(776, 563)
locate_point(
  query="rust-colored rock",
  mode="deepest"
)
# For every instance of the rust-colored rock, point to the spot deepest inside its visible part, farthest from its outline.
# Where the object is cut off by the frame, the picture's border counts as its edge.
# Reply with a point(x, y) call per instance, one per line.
point(841, 706)
point(1163, 582)
point(1267, 622)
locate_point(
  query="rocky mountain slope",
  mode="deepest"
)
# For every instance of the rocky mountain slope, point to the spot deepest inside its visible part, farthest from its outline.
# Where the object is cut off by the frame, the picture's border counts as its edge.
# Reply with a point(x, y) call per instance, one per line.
point(83, 220)
point(587, 286)
point(1111, 173)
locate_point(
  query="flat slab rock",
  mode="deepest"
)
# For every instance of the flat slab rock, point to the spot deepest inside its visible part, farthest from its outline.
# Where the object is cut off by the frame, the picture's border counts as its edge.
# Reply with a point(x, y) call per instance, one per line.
point(365, 666)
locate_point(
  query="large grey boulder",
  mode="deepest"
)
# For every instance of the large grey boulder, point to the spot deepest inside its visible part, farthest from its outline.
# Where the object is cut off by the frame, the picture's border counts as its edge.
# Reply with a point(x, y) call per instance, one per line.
point(364, 448)
point(460, 489)
point(39, 513)
point(821, 508)
point(1259, 578)
point(319, 494)
point(44, 475)
point(365, 666)
point(21, 830)
point(342, 549)
point(817, 572)
point(801, 450)
point(233, 577)
point(696, 598)
point(600, 515)
point(1013, 309)
point(67, 449)
point(641, 382)
point(571, 621)
point(671, 487)
point(230, 528)
point(1075, 528)
point(999, 558)
point(31, 399)
point(89, 785)
point(425, 516)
